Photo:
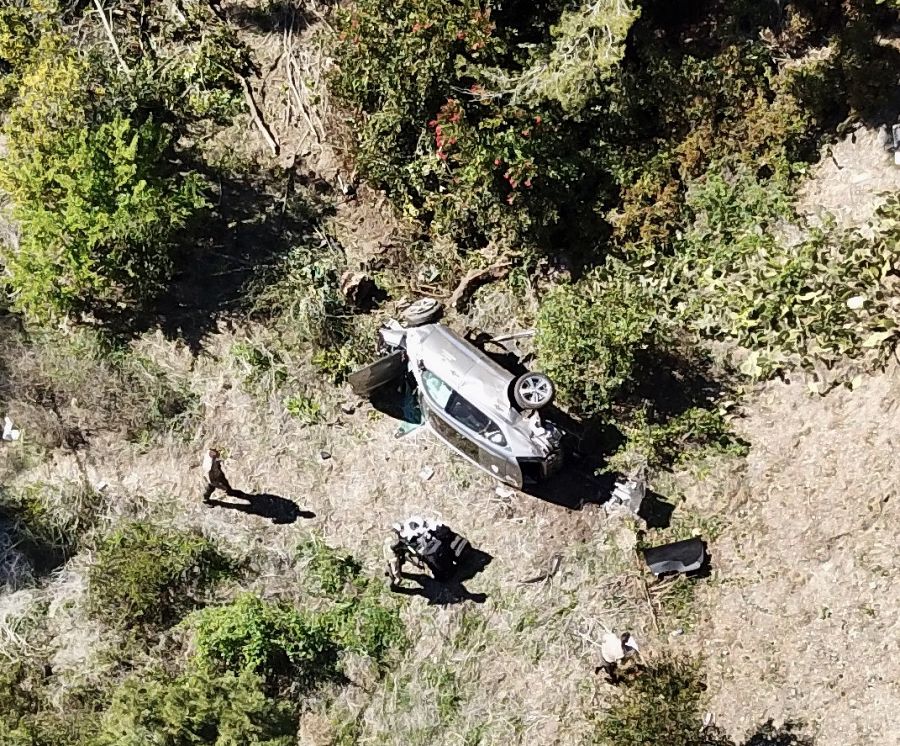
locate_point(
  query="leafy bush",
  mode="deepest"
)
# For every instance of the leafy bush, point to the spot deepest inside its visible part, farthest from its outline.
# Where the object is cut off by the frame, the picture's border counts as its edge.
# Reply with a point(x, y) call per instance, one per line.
point(659, 707)
point(823, 299)
point(27, 716)
point(149, 578)
point(588, 333)
point(272, 639)
point(95, 193)
point(196, 708)
point(695, 432)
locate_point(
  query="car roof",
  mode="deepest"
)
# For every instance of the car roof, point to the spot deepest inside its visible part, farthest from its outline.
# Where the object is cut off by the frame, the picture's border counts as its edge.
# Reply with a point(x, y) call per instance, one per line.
point(464, 367)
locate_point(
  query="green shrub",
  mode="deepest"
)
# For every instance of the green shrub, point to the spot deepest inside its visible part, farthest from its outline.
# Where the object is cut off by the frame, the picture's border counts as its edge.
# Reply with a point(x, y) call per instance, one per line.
point(659, 707)
point(95, 193)
point(196, 708)
point(148, 577)
point(272, 639)
point(328, 570)
point(588, 333)
point(821, 300)
point(27, 715)
point(695, 432)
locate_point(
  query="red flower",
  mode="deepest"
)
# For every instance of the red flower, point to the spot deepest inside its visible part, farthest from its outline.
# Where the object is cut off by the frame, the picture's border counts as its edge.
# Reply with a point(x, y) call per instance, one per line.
point(496, 161)
point(526, 133)
point(537, 120)
point(528, 183)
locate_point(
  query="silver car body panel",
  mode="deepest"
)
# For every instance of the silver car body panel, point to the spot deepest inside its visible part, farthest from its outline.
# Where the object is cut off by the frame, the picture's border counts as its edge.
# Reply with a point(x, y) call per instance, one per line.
point(513, 436)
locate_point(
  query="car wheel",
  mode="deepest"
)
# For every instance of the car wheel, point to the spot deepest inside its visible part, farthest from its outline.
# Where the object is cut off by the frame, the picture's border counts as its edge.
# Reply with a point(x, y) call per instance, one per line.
point(422, 311)
point(533, 391)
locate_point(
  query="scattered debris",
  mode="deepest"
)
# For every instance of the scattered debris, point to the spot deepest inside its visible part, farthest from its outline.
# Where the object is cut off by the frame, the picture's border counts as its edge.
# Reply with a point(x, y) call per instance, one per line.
point(9, 432)
point(348, 407)
point(678, 557)
point(628, 493)
point(324, 455)
point(504, 492)
point(426, 474)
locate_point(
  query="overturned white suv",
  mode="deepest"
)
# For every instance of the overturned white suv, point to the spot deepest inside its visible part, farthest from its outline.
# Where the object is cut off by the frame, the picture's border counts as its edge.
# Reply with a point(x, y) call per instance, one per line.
point(478, 408)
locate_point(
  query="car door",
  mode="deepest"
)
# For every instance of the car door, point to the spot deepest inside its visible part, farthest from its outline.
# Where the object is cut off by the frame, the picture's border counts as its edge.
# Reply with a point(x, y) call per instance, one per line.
point(467, 430)
point(384, 370)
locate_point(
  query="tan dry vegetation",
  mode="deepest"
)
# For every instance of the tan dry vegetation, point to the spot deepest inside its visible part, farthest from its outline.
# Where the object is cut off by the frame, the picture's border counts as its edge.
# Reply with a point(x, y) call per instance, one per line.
point(802, 621)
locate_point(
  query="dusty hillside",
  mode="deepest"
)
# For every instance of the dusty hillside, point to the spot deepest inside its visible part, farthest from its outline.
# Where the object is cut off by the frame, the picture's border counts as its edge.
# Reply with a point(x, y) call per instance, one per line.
point(795, 623)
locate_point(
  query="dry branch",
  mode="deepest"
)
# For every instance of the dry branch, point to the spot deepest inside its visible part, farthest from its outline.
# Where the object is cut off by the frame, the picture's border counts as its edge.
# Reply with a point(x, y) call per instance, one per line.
point(258, 117)
point(112, 39)
point(476, 277)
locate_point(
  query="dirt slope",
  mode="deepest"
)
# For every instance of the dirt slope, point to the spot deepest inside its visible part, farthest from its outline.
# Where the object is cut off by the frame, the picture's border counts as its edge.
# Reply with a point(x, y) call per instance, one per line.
point(802, 620)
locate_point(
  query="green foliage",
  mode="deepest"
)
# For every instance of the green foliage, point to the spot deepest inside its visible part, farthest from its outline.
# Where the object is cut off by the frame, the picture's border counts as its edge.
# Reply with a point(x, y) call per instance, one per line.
point(97, 200)
point(328, 570)
point(271, 639)
point(196, 708)
point(659, 707)
point(825, 299)
point(26, 716)
point(362, 619)
point(587, 44)
point(149, 578)
point(697, 431)
point(304, 408)
point(588, 333)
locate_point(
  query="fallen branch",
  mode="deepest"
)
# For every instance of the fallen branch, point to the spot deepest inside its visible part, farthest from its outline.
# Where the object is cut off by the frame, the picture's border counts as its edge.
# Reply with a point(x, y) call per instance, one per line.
point(477, 277)
point(258, 117)
point(112, 39)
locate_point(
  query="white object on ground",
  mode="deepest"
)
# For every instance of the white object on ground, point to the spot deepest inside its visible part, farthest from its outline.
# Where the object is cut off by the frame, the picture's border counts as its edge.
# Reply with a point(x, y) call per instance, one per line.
point(9, 432)
point(504, 492)
point(612, 650)
point(426, 474)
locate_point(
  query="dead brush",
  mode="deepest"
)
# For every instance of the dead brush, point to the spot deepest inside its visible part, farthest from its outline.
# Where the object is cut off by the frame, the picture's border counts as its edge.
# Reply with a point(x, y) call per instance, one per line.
point(66, 386)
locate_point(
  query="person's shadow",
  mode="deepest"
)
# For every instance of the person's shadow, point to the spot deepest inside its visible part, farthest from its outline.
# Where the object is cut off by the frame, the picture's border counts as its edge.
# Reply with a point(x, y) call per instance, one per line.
point(450, 591)
point(437, 593)
point(279, 510)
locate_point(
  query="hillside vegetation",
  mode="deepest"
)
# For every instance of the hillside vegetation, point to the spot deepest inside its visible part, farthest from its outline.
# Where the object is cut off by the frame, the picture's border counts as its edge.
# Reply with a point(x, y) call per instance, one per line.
point(187, 186)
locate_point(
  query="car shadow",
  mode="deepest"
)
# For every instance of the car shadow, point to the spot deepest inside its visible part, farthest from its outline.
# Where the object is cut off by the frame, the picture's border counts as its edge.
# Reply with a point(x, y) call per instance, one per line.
point(437, 593)
point(280, 510)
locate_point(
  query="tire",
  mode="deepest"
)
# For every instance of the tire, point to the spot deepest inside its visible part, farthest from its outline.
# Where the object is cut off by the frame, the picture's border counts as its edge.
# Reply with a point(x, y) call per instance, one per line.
point(422, 311)
point(533, 391)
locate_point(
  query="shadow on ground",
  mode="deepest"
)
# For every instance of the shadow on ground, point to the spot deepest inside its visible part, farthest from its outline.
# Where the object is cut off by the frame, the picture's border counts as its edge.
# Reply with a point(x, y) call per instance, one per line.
point(789, 734)
point(237, 246)
point(280, 510)
point(451, 591)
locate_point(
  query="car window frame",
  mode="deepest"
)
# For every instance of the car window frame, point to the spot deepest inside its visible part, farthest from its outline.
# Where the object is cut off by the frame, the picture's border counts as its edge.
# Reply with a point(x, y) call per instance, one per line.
point(456, 398)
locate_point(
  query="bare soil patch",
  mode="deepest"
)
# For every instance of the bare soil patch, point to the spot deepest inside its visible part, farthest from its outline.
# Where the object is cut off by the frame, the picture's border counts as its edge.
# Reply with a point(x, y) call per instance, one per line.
point(801, 617)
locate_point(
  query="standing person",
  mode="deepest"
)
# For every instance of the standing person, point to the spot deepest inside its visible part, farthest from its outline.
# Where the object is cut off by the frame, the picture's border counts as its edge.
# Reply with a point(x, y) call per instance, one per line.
point(614, 649)
point(215, 477)
point(395, 556)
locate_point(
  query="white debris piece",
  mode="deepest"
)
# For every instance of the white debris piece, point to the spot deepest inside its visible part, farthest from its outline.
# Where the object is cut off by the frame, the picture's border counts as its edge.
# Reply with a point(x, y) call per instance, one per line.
point(426, 474)
point(9, 432)
point(504, 492)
